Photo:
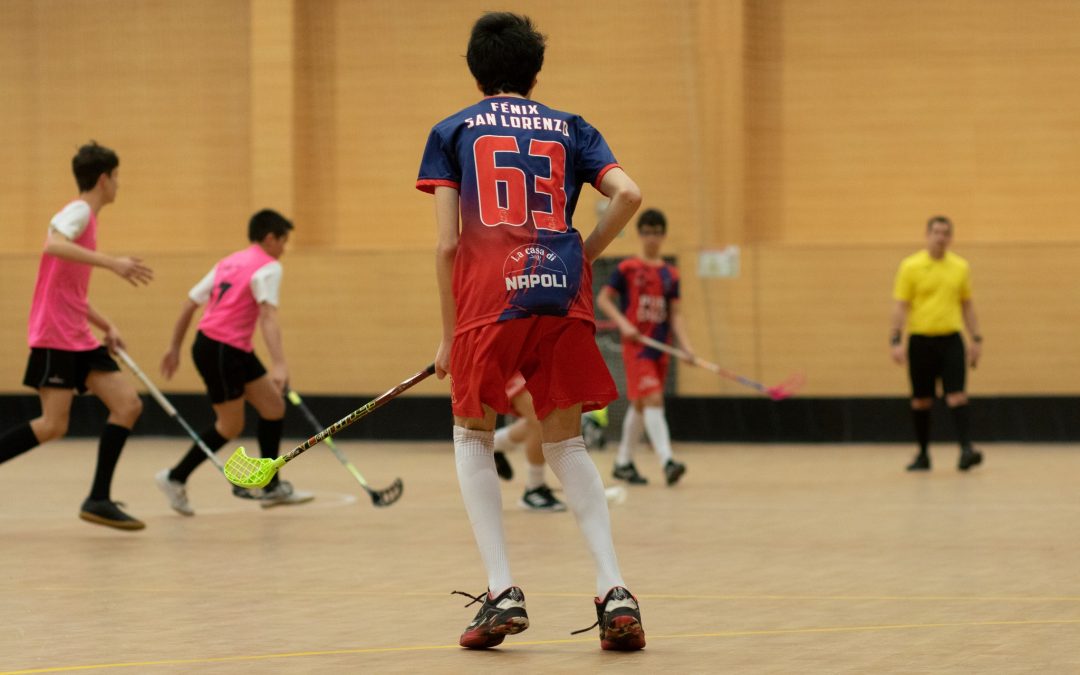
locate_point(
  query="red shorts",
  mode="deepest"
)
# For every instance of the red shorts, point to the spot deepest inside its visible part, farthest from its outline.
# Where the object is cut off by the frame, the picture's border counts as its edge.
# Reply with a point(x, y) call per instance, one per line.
point(558, 358)
point(514, 388)
point(643, 375)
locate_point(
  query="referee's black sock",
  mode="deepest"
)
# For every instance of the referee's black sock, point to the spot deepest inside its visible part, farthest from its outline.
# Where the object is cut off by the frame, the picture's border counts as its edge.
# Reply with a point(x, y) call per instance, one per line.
point(921, 417)
point(195, 456)
point(269, 434)
point(17, 441)
point(963, 424)
point(112, 442)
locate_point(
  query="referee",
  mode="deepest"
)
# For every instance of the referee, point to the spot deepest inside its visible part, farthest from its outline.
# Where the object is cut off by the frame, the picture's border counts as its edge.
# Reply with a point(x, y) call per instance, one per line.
point(933, 299)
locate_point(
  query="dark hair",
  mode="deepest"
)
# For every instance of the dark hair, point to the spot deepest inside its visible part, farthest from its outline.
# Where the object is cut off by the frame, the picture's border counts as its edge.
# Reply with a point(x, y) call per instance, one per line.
point(267, 222)
point(90, 162)
point(938, 219)
point(505, 53)
point(650, 217)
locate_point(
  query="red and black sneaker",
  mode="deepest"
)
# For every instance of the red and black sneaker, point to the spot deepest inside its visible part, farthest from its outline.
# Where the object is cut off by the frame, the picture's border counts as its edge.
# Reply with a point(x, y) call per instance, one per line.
point(619, 618)
point(498, 617)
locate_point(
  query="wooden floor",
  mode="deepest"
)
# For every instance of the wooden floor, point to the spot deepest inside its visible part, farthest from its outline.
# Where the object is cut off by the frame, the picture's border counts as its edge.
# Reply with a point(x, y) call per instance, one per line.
point(767, 559)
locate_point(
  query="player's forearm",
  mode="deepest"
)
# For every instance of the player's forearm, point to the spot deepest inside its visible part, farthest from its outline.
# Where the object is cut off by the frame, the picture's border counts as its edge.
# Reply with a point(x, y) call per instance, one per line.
point(899, 318)
point(971, 321)
point(271, 332)
point(446, 221)
point(182, 322)
point(609, 309)
point(98, 319)
point(678, 327)
point(625, 198)
point(444, 273)
point(60, 247)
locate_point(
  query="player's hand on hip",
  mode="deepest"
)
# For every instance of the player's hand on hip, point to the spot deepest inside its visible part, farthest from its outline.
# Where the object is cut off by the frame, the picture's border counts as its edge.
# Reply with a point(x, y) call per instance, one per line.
point(133, 270)
point(442, 359)
point(899, 354)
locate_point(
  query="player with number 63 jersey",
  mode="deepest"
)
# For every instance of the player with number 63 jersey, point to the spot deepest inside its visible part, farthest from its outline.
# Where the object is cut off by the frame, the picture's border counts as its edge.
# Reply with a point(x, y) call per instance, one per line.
point(519, 167)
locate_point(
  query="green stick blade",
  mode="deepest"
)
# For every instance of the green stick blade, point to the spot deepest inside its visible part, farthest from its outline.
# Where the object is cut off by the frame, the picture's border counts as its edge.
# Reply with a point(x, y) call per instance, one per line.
point(251, 472)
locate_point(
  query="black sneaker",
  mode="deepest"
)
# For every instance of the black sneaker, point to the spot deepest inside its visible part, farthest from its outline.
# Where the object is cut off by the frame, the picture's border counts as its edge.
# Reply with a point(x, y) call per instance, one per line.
point(106, 512)
point(628, 473)
point(541, 499)
point(619, 618)
point(502, 466)
point(920, 463)
point(969, 457)
point(673, 471)
point(497, 618)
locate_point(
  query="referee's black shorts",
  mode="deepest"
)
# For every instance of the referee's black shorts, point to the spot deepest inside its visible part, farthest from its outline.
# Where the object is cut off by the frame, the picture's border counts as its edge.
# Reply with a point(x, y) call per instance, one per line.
point(224, 368)
point(934, 357)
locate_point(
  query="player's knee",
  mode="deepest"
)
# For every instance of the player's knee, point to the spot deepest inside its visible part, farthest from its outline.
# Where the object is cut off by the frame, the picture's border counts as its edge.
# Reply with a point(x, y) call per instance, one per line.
point(955, 399)
point(50, 428)
point(273, 409)
point(229, 428)
point(922, 403)
point(128, 410)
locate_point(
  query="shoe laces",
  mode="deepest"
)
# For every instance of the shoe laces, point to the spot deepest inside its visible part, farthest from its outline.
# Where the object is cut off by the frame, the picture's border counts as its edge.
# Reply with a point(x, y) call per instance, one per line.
point(475, 598)
point(585, 630)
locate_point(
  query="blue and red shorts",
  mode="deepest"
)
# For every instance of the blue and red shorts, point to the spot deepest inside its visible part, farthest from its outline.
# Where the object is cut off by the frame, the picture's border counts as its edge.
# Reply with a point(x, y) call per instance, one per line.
point(558, 358)
point(646, 370)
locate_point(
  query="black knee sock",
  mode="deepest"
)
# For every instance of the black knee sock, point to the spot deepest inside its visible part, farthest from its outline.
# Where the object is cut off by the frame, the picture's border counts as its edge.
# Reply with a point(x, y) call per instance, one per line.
point(922, 428)
point(961, 420)
point(17, 441)
point(269, 433)
point(195, 456)
point(112, 442)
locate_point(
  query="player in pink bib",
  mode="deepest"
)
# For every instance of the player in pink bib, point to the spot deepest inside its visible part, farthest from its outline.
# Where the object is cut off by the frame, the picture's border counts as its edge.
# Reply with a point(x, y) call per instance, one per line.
point(65, 356)
point(239, 293)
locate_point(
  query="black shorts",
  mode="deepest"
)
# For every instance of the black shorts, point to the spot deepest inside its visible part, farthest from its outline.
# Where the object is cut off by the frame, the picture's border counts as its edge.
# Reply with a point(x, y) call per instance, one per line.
point(224, 368)
point(62, 369)
point(934, 357)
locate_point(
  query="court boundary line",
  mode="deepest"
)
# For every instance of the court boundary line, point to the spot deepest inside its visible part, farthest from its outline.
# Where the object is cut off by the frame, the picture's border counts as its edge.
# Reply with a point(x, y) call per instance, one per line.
point(422, 648)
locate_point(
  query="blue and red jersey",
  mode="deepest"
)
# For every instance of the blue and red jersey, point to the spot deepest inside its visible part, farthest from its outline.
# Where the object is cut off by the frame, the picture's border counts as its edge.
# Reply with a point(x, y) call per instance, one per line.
point(645, 294)
point(519, 167)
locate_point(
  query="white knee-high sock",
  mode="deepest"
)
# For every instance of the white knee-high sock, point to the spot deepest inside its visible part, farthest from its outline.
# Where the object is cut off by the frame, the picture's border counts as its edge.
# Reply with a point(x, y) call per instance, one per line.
point(535, 477)
point(584, 492)
point(631, 434)
point(475, 460)
point(659, 435)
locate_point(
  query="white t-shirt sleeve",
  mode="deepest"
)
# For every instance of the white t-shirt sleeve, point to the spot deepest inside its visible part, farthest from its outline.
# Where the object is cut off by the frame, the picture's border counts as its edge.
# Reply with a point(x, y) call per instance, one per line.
point(200, 292)
point(266, 283)
point(72, 220)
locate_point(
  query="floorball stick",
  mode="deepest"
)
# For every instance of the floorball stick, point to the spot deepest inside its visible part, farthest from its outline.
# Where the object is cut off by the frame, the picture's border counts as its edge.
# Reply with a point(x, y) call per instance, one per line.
point(384, 497)
point(777, 392)
point(253, 472)
point(167, 407)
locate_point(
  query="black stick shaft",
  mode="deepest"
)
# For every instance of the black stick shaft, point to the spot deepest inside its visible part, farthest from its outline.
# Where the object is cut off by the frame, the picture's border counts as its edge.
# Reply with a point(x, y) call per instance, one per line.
point(360, 412)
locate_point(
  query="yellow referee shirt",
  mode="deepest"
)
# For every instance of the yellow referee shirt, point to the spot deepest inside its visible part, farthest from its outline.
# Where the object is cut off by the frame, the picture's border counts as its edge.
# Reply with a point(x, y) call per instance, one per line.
point(935, 290)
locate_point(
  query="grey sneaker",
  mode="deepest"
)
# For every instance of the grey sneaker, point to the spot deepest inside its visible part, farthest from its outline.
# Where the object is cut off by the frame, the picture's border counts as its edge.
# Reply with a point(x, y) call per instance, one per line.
point(175, 492)
point(284, 494)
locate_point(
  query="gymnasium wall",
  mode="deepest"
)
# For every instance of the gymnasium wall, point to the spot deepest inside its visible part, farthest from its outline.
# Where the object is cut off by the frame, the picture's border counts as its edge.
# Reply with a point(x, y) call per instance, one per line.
point(817, 135)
